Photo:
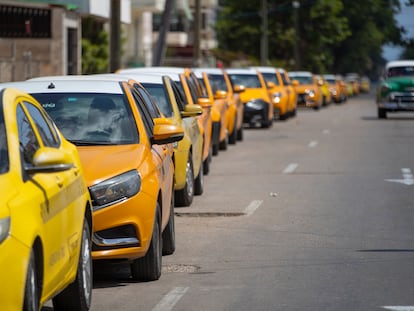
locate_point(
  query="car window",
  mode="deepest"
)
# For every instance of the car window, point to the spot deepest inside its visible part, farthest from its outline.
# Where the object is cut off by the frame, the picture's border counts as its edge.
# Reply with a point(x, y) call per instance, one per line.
point(303, 79)
point(4, 154)
point(149, 101)
point(44, 126)
point(158, 93)
point(179, 95)
point(218, 82)
point(285, 78)
point(249, 81)
point(271, 77)
point(143, 111)
point(27, 137)
point(91, 118)
point(400, 71)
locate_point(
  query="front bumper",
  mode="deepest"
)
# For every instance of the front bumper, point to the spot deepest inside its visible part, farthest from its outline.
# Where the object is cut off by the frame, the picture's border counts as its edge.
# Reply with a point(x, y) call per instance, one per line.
point(255, 111)
point(401, 101)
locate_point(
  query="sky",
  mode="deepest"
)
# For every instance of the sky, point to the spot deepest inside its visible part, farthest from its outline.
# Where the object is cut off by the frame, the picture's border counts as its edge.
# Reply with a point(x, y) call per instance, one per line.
point(404, 18)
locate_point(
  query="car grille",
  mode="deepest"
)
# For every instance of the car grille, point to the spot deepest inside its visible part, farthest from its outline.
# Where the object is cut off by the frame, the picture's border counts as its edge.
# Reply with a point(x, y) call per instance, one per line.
point(302, 98)
point(402, 97)
point(118, 237)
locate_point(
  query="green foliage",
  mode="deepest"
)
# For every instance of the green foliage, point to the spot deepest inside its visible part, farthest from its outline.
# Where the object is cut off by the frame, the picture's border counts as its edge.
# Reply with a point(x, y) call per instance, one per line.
point(95, 52)
point(336, 36)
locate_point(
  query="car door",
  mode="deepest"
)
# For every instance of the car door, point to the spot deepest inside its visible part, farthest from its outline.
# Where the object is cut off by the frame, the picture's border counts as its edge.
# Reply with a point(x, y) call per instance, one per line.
point(52, 197)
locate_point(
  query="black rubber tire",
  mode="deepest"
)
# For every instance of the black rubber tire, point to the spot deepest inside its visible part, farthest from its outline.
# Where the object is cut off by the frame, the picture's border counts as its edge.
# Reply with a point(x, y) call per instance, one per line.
point(78, 295)
point(240, 134)
point(224, 143)
point(148, 268)
point(382, 113)
point(199, 183)
point(168, 235)
point(184, 197)
point(32, 289)
point(283, 117)
point(233, 134)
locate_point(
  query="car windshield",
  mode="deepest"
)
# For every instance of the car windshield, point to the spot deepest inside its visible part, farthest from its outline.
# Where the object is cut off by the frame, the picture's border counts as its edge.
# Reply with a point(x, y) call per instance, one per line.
point(249, 81)
point(271, 77)
point(157, 91)
point(218, 82)
point(91, 118)
point(4, 155)
point(400, 71)
point(303, 79)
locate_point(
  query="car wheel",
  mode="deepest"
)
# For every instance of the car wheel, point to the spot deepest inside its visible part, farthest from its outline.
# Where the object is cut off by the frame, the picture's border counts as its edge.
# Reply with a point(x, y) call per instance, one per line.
point(206, 162)
point(233, 134)
point(184, 197)
point(199, 183)
point(32, 291)
point(382, 113)
point(148, 268)
point(168, 235)
point(283, 117)
point(78, 295)
point(223, 144)
point(240, 134)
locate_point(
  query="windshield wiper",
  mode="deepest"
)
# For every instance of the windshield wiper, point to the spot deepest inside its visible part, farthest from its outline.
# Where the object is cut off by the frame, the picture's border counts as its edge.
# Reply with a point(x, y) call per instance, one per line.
point(90, 143)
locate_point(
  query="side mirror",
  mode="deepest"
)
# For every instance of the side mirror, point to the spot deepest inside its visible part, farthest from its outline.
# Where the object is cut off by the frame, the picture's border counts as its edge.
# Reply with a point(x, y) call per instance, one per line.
point(220, 94)
point(204, 102)
point(50, 160)
point(191, 111)
point(165, 132)
point(270, 85)
point(295, 82)
point(239, 88)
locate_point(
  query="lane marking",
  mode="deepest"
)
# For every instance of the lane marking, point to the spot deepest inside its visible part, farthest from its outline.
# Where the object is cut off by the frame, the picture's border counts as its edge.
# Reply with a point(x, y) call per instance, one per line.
point(399, 308)
point(313, 144)
point(408, 178)
point(168, 302)
point(326, 131)
point(290, 168)
point(252, 207)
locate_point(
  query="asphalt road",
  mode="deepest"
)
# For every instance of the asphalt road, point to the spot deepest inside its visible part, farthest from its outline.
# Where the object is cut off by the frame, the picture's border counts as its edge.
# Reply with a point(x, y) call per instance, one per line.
point(313, 214)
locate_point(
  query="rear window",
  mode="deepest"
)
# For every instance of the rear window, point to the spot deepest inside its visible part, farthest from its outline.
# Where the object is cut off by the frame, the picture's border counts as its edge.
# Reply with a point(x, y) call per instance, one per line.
point(91, 118)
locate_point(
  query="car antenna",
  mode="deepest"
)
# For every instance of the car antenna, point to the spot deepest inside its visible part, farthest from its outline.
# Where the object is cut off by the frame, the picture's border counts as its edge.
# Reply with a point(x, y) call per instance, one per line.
point(51, 86)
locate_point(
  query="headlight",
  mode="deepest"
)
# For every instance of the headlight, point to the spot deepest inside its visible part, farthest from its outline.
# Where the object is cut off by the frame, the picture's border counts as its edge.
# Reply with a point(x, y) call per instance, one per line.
point(114, 189)
point(385, 89)
point(254, 105)
point(277, 96)
point(310, 93)
point(4, 228)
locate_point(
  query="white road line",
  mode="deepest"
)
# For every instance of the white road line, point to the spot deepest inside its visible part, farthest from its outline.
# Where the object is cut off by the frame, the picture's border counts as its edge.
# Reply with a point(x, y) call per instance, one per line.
point(168, 302)
point(252, 207)
point(290, 168)
point(313, 144)
point(400, 308)
point(326, 131)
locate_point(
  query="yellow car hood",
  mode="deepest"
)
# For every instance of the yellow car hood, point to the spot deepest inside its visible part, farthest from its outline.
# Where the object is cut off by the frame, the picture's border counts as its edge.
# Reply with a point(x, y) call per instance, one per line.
point(250, 94)
point(102, 162)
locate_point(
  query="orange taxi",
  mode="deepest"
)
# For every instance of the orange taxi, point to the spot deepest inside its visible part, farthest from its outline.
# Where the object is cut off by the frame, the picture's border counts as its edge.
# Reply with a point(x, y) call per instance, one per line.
point(308, 91)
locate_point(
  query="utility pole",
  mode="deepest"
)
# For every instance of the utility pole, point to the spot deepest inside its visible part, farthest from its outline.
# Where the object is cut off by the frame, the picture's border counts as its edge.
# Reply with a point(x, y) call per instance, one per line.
point(115, 36)
point(264, 45)
point(296, 6)
point(161, 45)
point(197, 34)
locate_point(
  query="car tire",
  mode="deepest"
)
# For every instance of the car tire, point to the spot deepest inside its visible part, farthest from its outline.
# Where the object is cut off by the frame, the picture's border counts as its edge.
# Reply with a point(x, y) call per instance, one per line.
point(233, 134)
point(240, 134)
point(382, 113)
point(148, 268)
point(223, 144)
point(78, 295)
point(283, 117)
point(168, 235)
point(199, 183)
point(206, 162)
point(32, 289)
point(184, 197)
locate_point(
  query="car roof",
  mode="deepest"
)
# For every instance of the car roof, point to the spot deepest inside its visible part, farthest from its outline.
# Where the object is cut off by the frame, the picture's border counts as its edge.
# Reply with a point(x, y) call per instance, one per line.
point(265, 69)
point(300, 73)
point(400, 63)
point(243, 71)
point(67, 85)
point(161, 69)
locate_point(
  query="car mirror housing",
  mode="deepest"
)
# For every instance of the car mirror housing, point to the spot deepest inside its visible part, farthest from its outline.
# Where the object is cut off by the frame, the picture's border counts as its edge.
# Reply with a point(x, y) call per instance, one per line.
point(49, 160)
point(220, 94)
point(166, 133)
point(204, 102)
point(191, 111)
point(239, 88)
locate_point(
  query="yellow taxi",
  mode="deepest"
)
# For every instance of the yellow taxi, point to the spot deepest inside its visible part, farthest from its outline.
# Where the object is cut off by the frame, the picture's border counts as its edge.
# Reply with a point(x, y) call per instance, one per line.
point(195, 94)
point(188, 151)
point(326, 93)
point(336, 87)
point(218, 112)
point(127, 161)
point(291, 93)
point(258, 107)
point(308, 91)
point(45, 214)
point(277, 91)
point(220, 82)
